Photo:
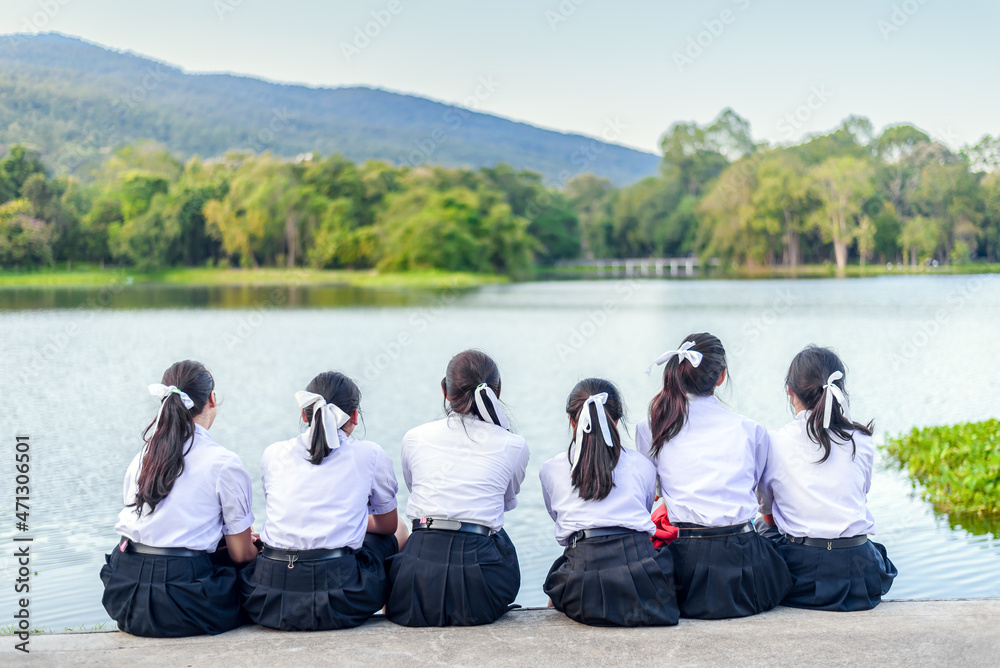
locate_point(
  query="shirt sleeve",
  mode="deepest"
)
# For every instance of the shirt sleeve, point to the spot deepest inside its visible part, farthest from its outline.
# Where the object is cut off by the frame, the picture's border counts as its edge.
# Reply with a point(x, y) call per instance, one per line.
point(546, 492)
point(233, 490)
point(404, 460)
point(647, 478)
point(130, 475)
point(765, 497)
point(762, 446)
point(520, 464)
point(382, 498)
point(643, 438)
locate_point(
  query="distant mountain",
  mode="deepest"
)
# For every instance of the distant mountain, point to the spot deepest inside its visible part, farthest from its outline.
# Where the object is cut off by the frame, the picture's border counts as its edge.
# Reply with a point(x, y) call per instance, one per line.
point(77, 101)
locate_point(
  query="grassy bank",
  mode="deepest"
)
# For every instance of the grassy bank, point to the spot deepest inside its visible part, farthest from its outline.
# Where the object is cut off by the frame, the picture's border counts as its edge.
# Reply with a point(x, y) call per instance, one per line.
point(958, 466)
point(94, 277)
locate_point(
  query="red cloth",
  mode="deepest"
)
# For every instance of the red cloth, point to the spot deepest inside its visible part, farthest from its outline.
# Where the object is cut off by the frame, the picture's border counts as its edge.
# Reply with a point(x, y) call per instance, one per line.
point(665, 531)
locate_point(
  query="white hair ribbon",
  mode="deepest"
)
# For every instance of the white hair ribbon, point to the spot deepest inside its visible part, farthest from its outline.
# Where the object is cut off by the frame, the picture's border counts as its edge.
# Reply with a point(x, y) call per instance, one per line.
point(485, 390)
point(584, 425)
point(682, 353)
point(333, 417)
point(835, 393)
point(163, 391)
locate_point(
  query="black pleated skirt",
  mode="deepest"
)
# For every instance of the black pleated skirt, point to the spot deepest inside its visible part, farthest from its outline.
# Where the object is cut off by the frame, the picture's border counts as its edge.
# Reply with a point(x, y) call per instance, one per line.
point(338, 593)
point(844, 580)
point(728, 576)
point(618, 580)
point(168, 597)
point(453, 578)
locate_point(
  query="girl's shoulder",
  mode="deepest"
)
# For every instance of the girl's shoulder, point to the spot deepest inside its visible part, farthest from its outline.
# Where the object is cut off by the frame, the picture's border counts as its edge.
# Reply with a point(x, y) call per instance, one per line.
point(360, 446)
point(636, 462)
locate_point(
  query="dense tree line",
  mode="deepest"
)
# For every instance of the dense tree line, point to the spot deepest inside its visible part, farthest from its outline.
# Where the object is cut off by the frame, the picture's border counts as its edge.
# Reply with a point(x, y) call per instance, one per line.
point(847, 196)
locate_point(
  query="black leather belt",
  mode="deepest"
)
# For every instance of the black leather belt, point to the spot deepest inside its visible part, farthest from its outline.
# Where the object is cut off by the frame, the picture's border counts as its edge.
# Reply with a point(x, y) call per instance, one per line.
point(131, 546)
point(685, 530)
point(829, 543)
point(291, 556)
point(451, 525)
point(595, 533)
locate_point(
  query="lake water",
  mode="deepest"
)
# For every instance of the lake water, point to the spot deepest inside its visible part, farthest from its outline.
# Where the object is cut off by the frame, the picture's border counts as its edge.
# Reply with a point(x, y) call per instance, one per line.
point(75, 365)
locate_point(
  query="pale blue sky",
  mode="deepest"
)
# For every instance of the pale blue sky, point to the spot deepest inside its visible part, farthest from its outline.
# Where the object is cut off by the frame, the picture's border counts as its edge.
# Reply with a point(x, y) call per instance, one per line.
point(606, 60)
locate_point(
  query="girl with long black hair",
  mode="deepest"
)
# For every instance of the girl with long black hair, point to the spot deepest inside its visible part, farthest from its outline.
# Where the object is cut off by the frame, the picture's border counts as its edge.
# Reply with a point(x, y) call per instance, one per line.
point(331, 520)
point(600, 496)
point(183, 493)
point(815, 490)
point(709, 461)
point(459, 567)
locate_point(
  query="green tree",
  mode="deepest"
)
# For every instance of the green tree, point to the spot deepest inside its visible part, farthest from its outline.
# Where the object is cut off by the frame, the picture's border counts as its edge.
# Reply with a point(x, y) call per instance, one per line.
point(843, 185)
point(24, 241)
point(783, 195)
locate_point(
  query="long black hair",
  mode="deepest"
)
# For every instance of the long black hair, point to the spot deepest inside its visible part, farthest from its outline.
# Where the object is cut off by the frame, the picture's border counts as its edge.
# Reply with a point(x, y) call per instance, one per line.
point(163, 461)
point(807, 376)
point(593, 475)
point(668, 409)
point(466, 371)
point(336, 389)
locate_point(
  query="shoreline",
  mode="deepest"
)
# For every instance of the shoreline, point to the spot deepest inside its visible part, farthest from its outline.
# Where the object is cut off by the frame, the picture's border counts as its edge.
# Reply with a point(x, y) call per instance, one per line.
point(267, 277)
point(92, 277)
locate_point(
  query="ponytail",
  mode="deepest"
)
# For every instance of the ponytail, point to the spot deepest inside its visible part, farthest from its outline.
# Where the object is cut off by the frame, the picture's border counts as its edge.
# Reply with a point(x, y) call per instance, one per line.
point(593, 459)
point(173, 428)
point(471, 386)
point(341, 396)
point(693, 369)
point(816, 378)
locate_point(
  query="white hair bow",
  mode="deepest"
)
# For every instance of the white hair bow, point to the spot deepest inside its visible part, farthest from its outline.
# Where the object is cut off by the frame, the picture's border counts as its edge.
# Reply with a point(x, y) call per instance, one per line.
point(484, 390)
point(585, 425)
point(682, 353)
point(163, 391)
point(836, 394)
point(330, 414)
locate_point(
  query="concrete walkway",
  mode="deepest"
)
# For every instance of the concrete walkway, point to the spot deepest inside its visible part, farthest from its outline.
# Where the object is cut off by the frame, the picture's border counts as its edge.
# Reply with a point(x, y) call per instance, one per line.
point(897, 633)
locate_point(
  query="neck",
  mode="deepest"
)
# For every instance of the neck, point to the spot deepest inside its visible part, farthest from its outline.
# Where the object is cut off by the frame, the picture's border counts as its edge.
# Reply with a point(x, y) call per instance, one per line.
point(203, 420)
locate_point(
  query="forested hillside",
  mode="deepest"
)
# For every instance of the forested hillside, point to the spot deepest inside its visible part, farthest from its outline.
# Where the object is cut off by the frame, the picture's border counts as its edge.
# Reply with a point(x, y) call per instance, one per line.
point(75, 101)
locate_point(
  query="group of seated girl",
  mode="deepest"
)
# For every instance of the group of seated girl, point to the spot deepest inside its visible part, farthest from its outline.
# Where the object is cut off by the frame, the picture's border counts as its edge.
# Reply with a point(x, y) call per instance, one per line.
point(332, 551)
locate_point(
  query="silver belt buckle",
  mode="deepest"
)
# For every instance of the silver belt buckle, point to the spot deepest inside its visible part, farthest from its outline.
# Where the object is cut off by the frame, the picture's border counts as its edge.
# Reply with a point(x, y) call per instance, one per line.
point(447, 525)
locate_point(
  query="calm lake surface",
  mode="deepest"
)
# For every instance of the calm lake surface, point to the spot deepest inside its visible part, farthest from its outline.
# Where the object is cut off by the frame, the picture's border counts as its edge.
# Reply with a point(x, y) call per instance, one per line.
point(74, 365)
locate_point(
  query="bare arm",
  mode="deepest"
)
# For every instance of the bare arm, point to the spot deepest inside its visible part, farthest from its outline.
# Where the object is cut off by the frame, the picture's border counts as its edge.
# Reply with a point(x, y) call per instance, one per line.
point(241, 547)
point(385, 524)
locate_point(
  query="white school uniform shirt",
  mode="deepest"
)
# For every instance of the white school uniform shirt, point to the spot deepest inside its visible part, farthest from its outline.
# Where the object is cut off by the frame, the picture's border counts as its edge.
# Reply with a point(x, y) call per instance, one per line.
point(326, 505)
point(210, 497)
point(628, 505)
point(462, 468)
point(709, 471)
point(808, 499)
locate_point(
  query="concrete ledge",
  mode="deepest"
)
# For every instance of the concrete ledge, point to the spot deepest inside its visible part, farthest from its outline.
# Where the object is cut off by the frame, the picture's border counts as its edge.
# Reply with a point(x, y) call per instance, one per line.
point(897, 633)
